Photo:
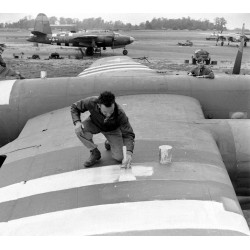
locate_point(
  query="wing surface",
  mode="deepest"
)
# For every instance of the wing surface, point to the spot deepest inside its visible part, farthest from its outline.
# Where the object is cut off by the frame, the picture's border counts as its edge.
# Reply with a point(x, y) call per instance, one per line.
point(45, 190)
point(116, 65)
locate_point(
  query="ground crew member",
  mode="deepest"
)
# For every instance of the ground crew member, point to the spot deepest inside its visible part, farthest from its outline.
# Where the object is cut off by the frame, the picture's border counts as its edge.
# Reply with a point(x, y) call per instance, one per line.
point(6, 71)
point(108, 118)
point(201, 71)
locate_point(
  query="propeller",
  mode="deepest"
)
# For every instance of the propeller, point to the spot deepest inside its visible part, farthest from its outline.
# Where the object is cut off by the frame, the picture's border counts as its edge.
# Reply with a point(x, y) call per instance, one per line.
point(237, 63)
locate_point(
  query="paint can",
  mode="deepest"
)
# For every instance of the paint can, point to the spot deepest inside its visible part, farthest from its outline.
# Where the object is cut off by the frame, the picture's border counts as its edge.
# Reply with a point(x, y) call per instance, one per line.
point(43, 74)
point(165, 154)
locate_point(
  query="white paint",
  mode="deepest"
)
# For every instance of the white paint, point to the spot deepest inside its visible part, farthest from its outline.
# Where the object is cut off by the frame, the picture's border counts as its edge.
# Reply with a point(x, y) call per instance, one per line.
point(165, 154)
point(5, 90)
point(104, 68)
point(124, 217)
point(111, 70)
point(114, 65)
point(68, 180)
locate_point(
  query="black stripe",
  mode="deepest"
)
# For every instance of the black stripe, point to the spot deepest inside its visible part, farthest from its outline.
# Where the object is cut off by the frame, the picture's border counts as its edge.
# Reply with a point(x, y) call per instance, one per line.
point(120, 192)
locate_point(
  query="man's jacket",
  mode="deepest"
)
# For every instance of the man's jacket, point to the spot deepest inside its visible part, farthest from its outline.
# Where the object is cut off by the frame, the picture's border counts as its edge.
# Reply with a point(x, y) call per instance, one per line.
point(2, 64)
point(117, 120)
point(203, 71)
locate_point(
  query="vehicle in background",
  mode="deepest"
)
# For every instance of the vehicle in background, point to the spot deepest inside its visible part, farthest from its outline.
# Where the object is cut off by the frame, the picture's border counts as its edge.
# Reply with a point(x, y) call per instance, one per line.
point(203, 54)
point(187, 43)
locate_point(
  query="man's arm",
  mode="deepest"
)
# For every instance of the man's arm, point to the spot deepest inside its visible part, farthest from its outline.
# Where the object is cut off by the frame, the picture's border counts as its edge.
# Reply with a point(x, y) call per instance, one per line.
point(208, 73)
point(192, 72)
point(127, 134)
point(2, 62)
point(79, 107)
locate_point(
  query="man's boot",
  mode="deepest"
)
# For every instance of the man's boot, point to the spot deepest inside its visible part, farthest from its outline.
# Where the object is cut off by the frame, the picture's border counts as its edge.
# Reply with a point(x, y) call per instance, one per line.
point(107, 145)
point(95, 155)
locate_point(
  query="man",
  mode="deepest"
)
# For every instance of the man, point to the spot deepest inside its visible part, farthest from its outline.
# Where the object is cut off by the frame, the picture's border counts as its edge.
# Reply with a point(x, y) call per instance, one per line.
point(6, 71)
point(108, 118)
point(201, 71)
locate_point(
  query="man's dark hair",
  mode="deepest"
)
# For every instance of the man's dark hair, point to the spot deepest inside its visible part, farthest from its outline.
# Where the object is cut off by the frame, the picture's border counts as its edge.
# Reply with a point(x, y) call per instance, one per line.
point(106, 98)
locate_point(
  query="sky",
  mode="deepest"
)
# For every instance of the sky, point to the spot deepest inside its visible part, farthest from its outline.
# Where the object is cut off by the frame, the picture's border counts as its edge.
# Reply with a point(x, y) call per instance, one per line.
point(131, 11)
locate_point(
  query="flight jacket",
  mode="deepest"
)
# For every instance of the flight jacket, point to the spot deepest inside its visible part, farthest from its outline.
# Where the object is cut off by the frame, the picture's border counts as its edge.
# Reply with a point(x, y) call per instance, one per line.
point(117, 120)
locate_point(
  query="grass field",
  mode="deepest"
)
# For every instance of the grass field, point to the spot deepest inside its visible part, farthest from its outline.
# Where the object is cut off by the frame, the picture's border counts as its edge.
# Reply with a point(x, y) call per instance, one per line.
point(160, 48)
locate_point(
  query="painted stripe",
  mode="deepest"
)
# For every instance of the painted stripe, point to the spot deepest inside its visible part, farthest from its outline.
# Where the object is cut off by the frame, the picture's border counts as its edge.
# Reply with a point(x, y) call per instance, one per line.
point(112, 70)
point(113, 65)
point(69, 180)
point(125, 217)
point(5, 89)
point(116, 67)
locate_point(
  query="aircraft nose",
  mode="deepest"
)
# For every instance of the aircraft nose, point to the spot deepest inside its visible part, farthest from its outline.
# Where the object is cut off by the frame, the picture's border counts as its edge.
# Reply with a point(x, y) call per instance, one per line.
point(131, 39)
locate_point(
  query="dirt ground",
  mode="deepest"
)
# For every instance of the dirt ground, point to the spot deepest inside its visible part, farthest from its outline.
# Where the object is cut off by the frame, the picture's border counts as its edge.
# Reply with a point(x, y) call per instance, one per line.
point(155, 49)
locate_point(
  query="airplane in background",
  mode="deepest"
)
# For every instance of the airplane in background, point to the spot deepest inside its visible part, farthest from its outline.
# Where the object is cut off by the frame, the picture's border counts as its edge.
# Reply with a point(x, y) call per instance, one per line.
point(91, 40)
point(230, 37)
point(45, 190)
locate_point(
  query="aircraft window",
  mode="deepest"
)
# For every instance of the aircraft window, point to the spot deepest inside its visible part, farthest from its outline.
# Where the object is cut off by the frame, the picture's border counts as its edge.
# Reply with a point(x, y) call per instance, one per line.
point(2, 159)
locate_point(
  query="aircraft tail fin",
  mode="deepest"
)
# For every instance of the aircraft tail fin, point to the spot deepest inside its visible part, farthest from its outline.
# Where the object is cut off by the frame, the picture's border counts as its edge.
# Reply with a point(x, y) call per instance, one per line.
point(237, 63)
point(42, 26)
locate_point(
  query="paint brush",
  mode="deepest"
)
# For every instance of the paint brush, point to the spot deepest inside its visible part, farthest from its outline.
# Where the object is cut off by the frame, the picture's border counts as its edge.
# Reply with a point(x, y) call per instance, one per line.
point(126, 173)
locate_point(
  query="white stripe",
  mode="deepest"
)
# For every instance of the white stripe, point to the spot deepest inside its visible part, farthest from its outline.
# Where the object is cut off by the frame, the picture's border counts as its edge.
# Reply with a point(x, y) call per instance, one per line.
point(124, 217)
point(68, 180)
point(111, 70)
point(113, 65)
point(5, 89)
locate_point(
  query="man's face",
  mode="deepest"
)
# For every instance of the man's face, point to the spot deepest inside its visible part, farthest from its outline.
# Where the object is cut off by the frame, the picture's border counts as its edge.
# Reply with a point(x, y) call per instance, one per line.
point(200, 64)
point(107, 111)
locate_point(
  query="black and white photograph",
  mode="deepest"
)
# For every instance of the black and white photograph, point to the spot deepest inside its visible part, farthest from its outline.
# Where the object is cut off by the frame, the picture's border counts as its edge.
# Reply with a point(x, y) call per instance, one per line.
point(125, 119)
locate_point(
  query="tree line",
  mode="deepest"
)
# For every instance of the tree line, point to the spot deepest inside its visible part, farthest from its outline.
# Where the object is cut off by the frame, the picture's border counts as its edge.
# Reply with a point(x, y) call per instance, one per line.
point(98, 23)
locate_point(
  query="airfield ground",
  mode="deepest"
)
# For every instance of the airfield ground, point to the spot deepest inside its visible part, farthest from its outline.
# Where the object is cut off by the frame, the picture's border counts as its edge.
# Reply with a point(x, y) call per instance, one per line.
point(159, 47)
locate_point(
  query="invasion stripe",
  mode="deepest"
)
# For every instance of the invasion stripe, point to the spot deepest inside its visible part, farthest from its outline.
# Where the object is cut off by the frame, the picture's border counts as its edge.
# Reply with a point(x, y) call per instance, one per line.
point(125, 217)
point(5, 90)
point(118, 192)
point(110, 70)
point(114, 65)
point(69, 180)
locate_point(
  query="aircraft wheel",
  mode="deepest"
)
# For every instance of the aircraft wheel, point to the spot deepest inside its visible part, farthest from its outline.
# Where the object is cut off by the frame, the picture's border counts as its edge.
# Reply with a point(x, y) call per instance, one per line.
point(89, 51)
point(125, 52)
point(222, 43)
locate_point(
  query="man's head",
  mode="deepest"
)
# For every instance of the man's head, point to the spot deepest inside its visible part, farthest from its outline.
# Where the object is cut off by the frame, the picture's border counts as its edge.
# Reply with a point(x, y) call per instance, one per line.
point(106, 103)
point(200, 62)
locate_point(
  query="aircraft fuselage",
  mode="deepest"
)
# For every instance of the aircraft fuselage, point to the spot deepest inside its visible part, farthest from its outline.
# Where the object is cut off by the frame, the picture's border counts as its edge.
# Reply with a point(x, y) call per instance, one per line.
point(74, 39)
point(24, 99)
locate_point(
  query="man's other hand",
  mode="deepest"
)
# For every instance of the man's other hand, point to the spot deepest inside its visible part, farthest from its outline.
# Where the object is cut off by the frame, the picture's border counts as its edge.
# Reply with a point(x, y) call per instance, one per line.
point(78, 127)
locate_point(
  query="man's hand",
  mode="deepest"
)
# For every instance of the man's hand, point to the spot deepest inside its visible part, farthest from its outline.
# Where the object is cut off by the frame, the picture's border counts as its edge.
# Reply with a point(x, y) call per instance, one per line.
point(78, 127)
point(127, 163)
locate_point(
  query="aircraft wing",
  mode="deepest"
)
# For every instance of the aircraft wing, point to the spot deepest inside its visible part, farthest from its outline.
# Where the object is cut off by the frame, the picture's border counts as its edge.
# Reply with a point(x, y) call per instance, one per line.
point(85, 38)
point(45, 190)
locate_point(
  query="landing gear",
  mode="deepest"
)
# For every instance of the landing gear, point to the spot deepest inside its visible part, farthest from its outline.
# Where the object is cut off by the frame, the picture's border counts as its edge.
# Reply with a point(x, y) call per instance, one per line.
point(222, 43)
point(125, 52)
point(89, 51)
